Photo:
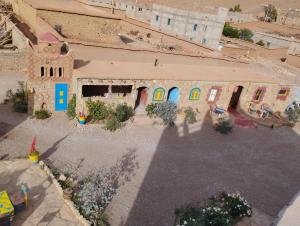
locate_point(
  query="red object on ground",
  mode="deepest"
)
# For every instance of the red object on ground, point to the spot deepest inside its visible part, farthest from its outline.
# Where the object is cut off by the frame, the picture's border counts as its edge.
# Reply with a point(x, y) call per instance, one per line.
point(48, 37)
point(240, 120)
point(32, 148)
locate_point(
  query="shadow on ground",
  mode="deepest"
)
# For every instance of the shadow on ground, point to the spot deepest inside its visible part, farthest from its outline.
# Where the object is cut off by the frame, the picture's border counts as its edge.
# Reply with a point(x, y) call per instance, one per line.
point(190, 164)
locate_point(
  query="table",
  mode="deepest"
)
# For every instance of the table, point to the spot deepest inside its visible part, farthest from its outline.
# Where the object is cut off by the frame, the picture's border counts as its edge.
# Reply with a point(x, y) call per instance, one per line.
point(6, 207)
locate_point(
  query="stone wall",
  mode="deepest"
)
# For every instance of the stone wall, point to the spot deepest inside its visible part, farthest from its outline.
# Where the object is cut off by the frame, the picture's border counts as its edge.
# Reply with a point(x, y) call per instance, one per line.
point(272, 41)
point(236, 17)
point(82, 27)
point(12, 60)
point(225, 90)
point(200, 27)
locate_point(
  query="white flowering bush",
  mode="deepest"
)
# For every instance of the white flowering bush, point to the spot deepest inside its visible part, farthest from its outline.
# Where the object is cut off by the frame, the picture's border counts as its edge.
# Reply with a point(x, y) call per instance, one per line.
point(221, 210)
point(236, 205)
point(167, 111)
point(93, 195)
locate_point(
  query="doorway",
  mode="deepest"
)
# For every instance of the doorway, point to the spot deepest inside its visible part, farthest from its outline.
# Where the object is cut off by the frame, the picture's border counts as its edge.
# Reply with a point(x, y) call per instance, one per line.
point(234, 102)
point(142, 97)
point(173, 95)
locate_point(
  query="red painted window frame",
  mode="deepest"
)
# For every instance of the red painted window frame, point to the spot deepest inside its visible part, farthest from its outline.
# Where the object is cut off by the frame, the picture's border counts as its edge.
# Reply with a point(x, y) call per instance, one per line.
point(264, 90)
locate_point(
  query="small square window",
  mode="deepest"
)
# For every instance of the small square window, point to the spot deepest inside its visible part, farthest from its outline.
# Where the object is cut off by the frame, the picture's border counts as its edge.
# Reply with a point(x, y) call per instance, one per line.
point(42, 72)
point(140, 9)
point(283, 93)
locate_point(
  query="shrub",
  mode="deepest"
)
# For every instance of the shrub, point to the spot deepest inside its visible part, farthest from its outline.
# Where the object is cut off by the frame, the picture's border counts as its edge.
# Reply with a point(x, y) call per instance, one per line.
point(97, 110)
point(230, 31)
point(42, 114)
point(223, 209)
point(19, 98)
point(113, 123)
point(224, 126)
point(261, 43)
point(150, 109)
point(167, 111)
point(246, 34)
point(236, 8)
point(71, 111)
point(93, 195)
point(123, 112)
point(190, 115)
point(293, 115)
point(235, 205)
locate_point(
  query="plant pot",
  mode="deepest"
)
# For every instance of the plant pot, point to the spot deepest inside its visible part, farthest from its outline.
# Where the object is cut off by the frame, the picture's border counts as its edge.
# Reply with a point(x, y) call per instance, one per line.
point(34, 157)
point(82, 120)
point(67, 193)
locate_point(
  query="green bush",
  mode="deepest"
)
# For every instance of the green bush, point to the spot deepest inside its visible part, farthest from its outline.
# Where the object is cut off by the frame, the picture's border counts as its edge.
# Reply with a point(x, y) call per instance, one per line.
point(123, 112)
point(97, 110)
point(236, 8)
point(150, 109)
point(190, 115)
point(71, 111)
point(261, 43)
point(167, 111)
point(230, 31)
point(246, 34)
point(42, 114)
point(19, 98)
point(224, 126)
point(221, 210)
point(293, 115)
point(112, 124)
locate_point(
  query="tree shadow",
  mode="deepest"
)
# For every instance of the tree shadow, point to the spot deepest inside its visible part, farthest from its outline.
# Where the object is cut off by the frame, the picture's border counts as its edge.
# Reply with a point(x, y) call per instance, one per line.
point(52, 149)
point(192, 163)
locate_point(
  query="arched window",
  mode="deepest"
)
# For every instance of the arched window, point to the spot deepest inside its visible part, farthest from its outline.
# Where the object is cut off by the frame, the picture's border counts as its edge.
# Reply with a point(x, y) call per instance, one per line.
point(195, 94)
point(51, 72)
point(159, 94)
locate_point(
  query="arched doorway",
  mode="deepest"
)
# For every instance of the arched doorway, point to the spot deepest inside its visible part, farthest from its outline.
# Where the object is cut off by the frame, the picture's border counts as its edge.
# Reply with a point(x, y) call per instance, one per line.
point(173, 95)
point(142, 97)
point(235, 98)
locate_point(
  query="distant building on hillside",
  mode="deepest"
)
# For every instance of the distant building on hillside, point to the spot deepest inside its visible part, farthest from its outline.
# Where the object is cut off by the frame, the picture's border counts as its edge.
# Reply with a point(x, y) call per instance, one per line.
point(289, 17)
point(202, 27)
point(237, 17)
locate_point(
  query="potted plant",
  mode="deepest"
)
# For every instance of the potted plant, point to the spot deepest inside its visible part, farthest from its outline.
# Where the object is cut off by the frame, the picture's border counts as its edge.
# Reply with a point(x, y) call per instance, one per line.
point(33, 154)
point(81, 118)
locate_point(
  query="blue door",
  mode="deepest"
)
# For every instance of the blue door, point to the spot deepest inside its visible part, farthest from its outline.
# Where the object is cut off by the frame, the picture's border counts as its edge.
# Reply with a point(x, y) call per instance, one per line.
point(61, 97)
point(173, 95)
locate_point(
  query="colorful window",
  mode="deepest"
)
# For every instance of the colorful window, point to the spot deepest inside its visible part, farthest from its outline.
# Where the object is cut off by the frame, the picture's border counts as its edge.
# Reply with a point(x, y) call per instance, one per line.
point(259, 94)
point(214, 94)
point(159, 94)
point(195, 94)
point(283, 93)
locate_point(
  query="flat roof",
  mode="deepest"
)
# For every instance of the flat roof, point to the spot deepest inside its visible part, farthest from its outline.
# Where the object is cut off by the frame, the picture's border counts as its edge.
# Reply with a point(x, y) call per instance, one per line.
point(180, 72)
point(70, 6)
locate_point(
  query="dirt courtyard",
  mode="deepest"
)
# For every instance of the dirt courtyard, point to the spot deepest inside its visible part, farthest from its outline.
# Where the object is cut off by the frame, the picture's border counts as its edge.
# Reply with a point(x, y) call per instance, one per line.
point(166, 167)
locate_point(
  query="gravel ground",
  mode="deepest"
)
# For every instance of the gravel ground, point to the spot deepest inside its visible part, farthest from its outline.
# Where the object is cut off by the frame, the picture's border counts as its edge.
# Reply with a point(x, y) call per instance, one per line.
point(164, 168)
